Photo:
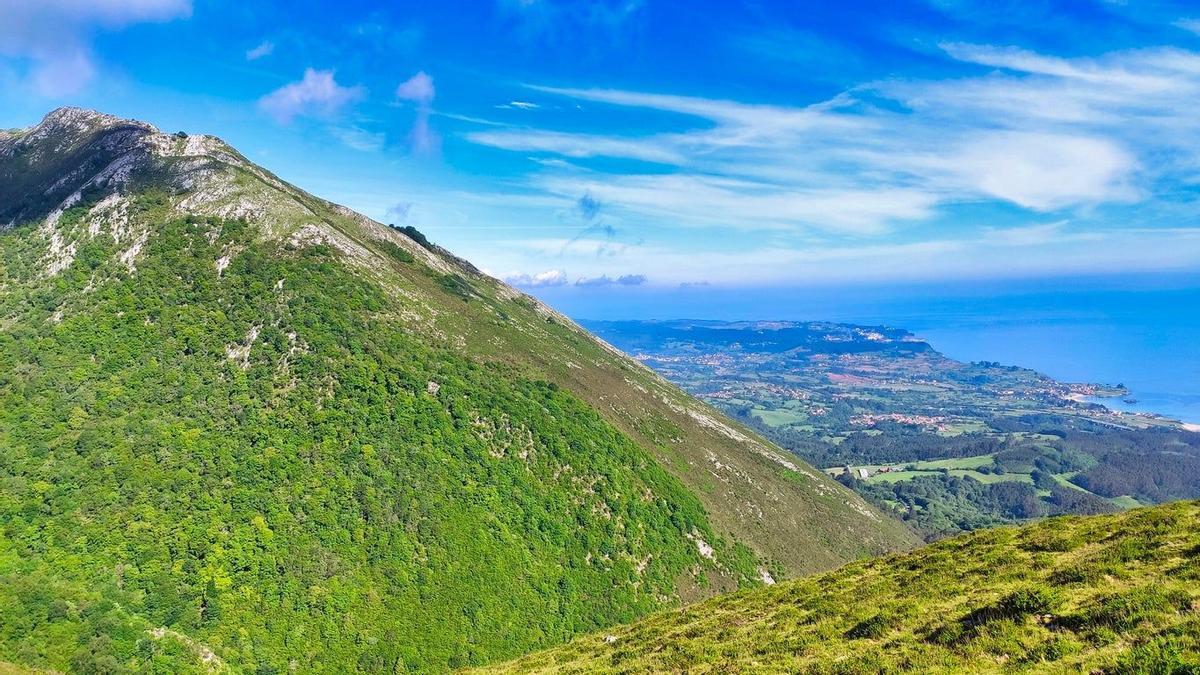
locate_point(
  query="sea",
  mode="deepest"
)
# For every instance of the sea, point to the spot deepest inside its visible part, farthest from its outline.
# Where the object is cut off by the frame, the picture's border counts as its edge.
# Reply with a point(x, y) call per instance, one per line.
point(1143, 332)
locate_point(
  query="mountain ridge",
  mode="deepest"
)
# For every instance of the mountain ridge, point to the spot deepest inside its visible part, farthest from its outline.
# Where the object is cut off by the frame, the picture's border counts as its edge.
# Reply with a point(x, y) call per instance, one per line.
point(294, 218)
point(162, 297)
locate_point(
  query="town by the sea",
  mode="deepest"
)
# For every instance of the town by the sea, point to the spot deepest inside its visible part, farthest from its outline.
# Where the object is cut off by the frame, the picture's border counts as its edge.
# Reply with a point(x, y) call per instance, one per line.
point(1143, 333)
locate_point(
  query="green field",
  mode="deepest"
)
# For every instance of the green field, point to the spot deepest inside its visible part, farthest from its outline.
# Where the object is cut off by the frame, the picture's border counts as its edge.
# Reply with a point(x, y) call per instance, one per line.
point(1126, 502)
point(955, 463)
point(779, 417)
point(992, 477)
point(897, 476)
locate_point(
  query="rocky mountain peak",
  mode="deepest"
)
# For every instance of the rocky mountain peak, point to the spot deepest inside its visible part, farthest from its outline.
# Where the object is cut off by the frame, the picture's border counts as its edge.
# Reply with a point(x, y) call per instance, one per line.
point(71, 120)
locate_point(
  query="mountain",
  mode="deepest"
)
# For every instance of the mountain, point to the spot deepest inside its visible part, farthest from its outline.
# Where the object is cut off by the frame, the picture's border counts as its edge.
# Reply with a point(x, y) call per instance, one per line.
point(1099, 594)
point(244, 428)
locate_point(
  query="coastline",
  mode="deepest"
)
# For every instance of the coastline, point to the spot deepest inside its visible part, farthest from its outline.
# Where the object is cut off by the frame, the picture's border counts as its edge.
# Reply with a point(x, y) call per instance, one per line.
point(1143, 342)
point(1122, 408)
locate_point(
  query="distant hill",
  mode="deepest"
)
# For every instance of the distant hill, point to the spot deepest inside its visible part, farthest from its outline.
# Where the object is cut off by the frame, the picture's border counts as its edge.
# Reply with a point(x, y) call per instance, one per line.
point(244, 428)
point(1101, 594)
point(945, 445)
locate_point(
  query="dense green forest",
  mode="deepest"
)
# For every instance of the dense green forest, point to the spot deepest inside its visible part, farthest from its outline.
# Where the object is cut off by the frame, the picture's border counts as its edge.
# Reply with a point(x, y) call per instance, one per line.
point(258, 466)
point(1118, 595)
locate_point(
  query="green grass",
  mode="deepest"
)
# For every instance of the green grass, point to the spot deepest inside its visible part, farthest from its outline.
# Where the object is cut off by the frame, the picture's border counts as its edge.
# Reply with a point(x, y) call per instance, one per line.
point(1111, 594)
point(955, 463)
point(897, 476)
point(966, 427)
point(1126, 502)
point(992, 477)
point(779, 417)
point(1064, 479)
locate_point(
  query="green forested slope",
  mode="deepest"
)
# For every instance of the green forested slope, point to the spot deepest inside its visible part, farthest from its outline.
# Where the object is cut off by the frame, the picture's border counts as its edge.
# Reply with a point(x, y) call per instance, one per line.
point(1098, 594)
point(242, 428)
point(316, 500)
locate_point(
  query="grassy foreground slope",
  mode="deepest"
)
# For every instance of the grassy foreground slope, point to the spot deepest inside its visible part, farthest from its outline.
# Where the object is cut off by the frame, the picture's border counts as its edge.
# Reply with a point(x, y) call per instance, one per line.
point(1114, 594)
point(243, 428)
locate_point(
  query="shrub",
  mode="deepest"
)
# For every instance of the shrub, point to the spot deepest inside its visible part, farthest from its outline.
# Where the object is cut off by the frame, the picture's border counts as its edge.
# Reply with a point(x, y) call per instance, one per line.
point(396, 252)
point(414, 234)
point(872, 628)
point(455, 285)
point(1027, 601)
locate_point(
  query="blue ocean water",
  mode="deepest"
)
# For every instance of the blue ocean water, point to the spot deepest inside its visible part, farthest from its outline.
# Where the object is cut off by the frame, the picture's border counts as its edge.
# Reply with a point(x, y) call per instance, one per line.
point(1140, 332)
point(1145, 340)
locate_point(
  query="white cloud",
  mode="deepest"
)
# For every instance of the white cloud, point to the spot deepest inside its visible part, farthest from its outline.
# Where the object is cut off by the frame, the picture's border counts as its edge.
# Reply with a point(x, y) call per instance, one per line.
point(1043, 133)
point(1044, 171)
point(318, 93)
point(735, 203)
point(55, 35)
point(264, 48)
point(1085, 70)
point(577, 145)
point(419, 89)
point(547, 279)
point(604, 280)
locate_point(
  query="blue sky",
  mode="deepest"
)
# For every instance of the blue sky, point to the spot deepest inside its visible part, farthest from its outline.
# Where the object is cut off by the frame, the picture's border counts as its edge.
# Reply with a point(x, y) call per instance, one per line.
point(643, 147)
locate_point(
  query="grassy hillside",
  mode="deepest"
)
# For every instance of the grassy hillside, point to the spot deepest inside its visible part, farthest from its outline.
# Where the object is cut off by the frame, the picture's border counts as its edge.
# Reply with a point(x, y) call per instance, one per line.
point(243, 428)
point(1112, 594)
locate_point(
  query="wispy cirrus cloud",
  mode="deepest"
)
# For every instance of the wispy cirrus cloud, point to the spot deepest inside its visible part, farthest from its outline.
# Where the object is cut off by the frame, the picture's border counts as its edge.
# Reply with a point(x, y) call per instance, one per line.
point(263, 49)
point(739, 203)
point(1040, 133)
point(577, 146)
point(519, 105)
